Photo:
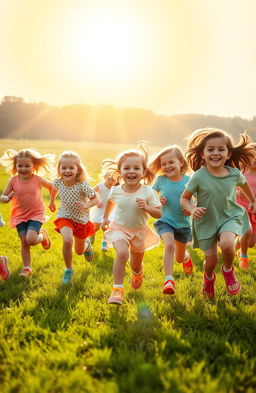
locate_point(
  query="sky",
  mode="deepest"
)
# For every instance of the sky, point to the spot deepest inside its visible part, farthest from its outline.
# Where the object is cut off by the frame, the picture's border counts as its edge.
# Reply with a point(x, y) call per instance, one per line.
point(169, 56)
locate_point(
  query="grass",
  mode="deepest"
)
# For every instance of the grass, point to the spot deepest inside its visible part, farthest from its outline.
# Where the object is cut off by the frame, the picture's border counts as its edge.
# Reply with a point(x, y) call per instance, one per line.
point(56, 339)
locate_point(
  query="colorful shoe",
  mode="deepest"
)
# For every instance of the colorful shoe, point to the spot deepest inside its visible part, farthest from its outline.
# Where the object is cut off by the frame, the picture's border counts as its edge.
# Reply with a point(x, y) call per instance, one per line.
point(230, 279)
point(46, 242)
point(4, 270)
point(237, 243)
point(243, 262)
point(104, 246)
point(169, 287)
point(2, 222)
point(26, 272)
point(88, 254)
point(116, 296)
point(208, 287)
point(67, 276)
point(137, 280)
point(188, 265)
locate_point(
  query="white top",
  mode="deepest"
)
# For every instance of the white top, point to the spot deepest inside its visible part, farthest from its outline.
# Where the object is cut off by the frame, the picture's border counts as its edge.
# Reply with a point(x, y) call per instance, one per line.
point(68, 196)
point(98, 212)
point(127, 211)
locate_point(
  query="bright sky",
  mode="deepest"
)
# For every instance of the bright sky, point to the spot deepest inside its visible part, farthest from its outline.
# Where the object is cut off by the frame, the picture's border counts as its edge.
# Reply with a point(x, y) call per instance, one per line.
point(171, 56)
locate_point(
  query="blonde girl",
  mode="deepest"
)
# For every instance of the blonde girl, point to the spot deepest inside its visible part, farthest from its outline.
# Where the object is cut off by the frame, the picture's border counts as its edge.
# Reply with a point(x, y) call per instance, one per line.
point(216, 160)
point(24, 192)
point(76, 197)
point(102, 190)
point(134, 201)
point(174, 226)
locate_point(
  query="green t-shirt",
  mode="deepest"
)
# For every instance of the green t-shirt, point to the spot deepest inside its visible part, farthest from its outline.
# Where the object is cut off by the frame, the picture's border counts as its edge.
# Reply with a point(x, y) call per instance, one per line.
point(218, 195)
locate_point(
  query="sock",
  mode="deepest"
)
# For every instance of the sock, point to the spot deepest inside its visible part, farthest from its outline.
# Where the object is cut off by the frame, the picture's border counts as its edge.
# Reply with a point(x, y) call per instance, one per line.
point(169, 277)
point(227, 270)
point(209, 278)
point(136, 274)
point(118, 286)
point(243, 255)
point(27, 267)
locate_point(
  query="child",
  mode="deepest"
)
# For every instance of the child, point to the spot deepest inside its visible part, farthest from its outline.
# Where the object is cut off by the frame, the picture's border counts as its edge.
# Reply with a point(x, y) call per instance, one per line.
point(102, 190)
point(134, 203)
point(174, 226)
point(249, 237)
point(24, 192)
point(73, 214)
point(215, 159)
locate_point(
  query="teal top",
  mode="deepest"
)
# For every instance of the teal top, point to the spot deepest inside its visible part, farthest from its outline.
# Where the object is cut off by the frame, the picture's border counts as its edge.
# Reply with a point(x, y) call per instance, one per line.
point(218, 195)
point(172, 210)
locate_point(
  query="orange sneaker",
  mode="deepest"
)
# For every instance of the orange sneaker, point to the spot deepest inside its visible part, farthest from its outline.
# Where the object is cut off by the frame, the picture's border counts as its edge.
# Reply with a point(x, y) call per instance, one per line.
point(208, 287)
point(137, 280)
point(237, 243)
point(243, 262)
point(26, 272)
point(116, 296)
point(169, 287)
point(188, 265)
point(230, 279)
point(4, 269)
point(46, 242)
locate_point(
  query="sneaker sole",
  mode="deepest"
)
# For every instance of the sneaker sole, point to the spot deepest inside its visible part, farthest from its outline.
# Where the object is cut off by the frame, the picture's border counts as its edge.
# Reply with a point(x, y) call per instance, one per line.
point(112, 301)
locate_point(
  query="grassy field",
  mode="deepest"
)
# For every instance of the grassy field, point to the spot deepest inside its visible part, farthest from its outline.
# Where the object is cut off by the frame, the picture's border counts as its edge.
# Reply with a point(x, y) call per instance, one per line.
point(57, 339)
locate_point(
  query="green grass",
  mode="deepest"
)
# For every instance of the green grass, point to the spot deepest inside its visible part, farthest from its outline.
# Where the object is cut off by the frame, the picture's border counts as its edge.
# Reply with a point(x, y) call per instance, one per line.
point(68, 339)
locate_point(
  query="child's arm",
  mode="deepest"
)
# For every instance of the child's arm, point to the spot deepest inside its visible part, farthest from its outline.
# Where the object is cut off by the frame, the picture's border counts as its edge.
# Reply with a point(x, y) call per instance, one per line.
point(96, 189)
point(196, 212)
point(246, 189)
point(86, 205)
point(108, 209)
point(52, 205)
point(8, 193)
point(154, 211)
point(46, 184)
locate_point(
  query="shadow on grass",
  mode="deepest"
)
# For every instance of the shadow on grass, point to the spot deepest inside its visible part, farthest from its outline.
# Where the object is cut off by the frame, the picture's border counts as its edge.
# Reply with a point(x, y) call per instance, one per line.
point(14, 289)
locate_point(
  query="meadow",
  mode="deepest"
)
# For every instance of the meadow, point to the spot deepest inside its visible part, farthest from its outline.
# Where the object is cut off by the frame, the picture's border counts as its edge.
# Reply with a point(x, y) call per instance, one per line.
point(59, 339)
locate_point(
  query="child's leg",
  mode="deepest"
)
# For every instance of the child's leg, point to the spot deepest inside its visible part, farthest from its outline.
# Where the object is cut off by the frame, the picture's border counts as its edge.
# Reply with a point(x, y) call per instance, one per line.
point(244, 242)
point(182, 255)
point(33, 238)
point(169, 250)
point(67, 235)
point(227, 248)
point(252, 240)
point(80, 245)
point(25, 251)
point(136, 266)
point(122, 255)
point(210, 263)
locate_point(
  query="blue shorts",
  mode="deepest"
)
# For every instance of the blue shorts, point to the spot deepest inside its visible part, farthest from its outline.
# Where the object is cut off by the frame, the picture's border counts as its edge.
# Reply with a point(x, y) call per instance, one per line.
point(31, 225)
point(182, 235)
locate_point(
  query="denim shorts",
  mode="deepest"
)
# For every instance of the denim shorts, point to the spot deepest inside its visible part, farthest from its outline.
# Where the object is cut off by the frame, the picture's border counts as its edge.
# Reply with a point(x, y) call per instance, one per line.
point(31, 225)
point(182, 235)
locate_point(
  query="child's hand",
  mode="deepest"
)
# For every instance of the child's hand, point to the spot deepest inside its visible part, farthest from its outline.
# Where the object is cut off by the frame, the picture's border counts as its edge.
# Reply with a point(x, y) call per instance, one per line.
point(163, 200)
point(186, 212)
point(141, 203)
point(99, 205)
point(11, 195)
point(81, 205)
point(252, 207)
point(105, 224)
point(52, 206)
point(198, 212)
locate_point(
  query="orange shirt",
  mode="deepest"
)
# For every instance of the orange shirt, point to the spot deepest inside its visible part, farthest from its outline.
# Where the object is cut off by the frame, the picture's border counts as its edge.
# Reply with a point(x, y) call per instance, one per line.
point(27, 204)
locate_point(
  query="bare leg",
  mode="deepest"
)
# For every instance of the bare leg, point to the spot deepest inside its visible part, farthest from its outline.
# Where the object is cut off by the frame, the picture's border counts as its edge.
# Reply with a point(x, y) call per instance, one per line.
point(80, 246)
point(227, 248)
point(67, 235)
point(252, 240)
point(25, 251)
point(122, 255)
point(245, 241)
point(136, 261)
point(180, 251)
point(33, 238)
point(169, 250)
point(211, 260)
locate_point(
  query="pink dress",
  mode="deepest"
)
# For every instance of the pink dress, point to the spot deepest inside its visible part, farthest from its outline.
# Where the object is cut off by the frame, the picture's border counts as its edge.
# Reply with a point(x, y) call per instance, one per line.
point(243, 201)
point(27, 204)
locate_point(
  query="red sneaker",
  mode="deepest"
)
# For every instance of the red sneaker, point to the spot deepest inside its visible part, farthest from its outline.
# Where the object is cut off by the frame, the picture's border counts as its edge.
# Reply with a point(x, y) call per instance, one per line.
point(243, 262)
point(46, 242)
point(208, 287)
point(188, 265)
point(4, 270)
point(231, 281)
point(137, 280)
point(169, 287)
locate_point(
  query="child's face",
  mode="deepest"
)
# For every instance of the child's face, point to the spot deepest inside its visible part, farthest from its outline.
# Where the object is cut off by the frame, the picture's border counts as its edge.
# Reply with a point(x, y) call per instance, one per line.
point(24, 167)
point(68, 169)
point(132, 170)
point(109, 181)
point(215, 152)
point(171, 165)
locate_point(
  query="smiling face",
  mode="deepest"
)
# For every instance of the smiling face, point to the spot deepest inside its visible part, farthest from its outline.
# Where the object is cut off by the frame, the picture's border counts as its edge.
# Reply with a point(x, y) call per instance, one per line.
point(171, 165)
point(24, 167)
point(68, 170)
point(132, 171)
point(215, 153)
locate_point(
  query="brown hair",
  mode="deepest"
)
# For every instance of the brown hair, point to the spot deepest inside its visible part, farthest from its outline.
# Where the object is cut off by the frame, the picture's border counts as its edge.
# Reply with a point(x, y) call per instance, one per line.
point(241, 156)
point(155, 163)
point(82, 174)
point(42, 163)
point(115, 165)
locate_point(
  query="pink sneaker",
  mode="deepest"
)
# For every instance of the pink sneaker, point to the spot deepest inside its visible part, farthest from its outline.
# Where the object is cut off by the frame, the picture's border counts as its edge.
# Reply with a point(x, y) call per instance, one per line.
point(169, 287)
point(4, 270)
point(230, 279)
point(208, 287)
point(116, 296)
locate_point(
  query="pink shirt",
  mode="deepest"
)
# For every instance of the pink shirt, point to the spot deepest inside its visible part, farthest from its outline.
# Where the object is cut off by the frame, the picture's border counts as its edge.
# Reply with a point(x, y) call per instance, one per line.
point(240, 197)
point(27, 204)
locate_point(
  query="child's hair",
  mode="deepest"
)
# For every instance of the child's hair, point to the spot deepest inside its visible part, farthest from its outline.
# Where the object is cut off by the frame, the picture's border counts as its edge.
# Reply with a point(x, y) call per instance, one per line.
point(115, 165)
point(106, 174)
point(242, 154)
point(42, 163)
point(82, 174)
point(155, 163)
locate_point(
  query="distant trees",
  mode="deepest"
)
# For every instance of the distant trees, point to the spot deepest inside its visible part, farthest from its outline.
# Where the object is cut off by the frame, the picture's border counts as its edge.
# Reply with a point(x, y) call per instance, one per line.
point(19, 119)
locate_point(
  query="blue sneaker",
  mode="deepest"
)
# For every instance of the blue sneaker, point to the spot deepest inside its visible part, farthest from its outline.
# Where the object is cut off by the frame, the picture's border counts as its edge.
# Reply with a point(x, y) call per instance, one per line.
point(88, 254)
point(104, 246)
point(67, 276)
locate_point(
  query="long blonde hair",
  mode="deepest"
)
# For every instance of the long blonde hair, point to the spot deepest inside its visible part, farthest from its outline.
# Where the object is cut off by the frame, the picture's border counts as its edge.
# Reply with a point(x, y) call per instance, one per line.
point(155, 163)
point(82, 174)
point(42, 163)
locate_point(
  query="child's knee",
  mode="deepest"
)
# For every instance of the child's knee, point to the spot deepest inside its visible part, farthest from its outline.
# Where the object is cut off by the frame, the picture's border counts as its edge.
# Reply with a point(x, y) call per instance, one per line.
point(123, 256)
point(67, 242)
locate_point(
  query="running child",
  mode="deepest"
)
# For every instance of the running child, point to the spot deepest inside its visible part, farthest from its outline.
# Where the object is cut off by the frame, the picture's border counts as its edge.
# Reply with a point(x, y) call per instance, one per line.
point(73, 215)
point(174, 226)
point(214, 157)
point(27, 206)
point(134, 201)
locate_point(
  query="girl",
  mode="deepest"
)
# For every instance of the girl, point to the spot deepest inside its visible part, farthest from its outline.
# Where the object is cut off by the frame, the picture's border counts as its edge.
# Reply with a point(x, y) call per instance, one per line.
point(102, 190)
point(73, 214)
point(174, 226)
point(215, 159)
point(24, 192)
point(249, 237)
point(134, 203)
